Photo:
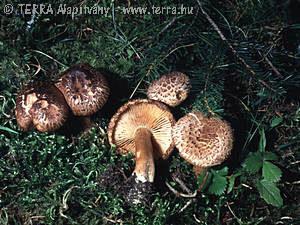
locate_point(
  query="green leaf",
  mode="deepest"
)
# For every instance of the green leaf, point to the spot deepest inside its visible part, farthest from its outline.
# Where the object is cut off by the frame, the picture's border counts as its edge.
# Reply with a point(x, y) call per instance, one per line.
point(222, 172)
point(275, 122)
point(269, 192)
point(254, 162)
point(130, 53)
point(8, 130)
point(231, 181)
point(271, 172)
point(262, 141)
point(270, 156)
point(218, 185)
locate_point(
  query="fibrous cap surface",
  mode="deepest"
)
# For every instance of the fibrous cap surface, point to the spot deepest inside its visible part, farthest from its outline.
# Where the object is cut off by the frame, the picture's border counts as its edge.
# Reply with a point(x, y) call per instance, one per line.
point(202, 141)
point(41, 105)
point(171, 89)
point(84, 88)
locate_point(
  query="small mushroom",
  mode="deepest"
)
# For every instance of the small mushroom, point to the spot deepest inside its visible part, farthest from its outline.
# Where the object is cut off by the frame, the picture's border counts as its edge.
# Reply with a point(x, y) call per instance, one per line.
point(171, 89)
point(41, 105)
point(84, 88)
point(203, 142)
point(144, 128)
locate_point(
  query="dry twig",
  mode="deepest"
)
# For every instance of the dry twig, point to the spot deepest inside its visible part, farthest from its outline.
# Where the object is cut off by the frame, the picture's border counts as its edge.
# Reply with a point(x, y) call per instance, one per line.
point(177, 193)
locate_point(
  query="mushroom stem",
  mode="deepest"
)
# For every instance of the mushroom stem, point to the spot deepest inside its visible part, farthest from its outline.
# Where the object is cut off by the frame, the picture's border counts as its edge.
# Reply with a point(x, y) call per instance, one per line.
point(198, 170)
point(86, 122)
point(144, 164)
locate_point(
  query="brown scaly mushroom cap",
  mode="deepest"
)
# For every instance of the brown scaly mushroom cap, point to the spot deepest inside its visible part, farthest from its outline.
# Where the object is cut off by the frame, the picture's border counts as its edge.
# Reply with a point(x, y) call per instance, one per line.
point(203, 142)
point(84, 88)
point(144, 128)
point(41, 105)
point(171, 89)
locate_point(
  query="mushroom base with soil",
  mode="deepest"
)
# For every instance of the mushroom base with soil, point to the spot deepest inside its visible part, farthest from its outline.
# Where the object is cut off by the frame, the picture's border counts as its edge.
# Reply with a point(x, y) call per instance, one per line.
point(137, 192)
point(144, 128)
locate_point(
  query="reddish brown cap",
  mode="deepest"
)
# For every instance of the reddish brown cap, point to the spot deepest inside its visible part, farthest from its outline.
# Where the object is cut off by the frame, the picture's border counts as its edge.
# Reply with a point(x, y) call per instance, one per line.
point(84, 88)
point(171, 89)
point(142, 113)
point(41, 105)
point(202, 141)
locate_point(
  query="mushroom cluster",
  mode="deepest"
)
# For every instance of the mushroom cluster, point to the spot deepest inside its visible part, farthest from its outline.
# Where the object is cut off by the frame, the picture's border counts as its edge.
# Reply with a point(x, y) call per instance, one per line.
point(144, 128)
point(202, 141)
point(81, 89)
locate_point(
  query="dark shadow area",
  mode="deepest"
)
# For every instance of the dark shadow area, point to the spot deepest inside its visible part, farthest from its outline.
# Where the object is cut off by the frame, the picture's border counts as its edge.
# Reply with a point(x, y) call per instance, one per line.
point(235, 89)
point(162, 174)
point(293, 92)
point(75, 125)
point(119, 93)
point(291, 35)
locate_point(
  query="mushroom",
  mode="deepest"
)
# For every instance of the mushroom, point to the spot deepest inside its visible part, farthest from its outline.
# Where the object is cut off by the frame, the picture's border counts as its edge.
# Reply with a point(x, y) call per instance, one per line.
point(84, 88)
point(144, 128)
point(203, 142)
point(41, 105)
point(171, 89)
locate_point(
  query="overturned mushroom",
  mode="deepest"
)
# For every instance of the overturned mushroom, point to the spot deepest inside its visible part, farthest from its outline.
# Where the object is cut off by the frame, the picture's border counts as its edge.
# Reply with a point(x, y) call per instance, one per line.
point(84, 88)
point(203, 142)
point(144, 128)
point(171, 89)
point(41, 105)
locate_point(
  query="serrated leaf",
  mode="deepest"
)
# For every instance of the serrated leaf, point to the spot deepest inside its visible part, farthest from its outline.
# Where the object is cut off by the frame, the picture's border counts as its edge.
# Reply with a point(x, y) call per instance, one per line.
point(262, 141)
point(254, 162)
point(218, 185)
point(269, 192)
point(270, 156)
point(275, 122)
point(271, 172)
